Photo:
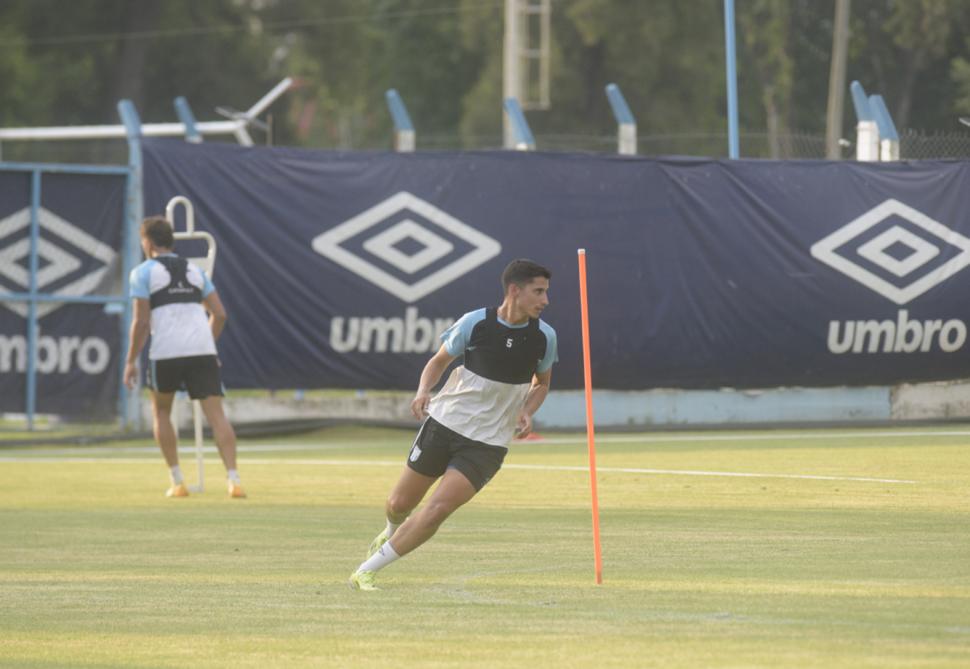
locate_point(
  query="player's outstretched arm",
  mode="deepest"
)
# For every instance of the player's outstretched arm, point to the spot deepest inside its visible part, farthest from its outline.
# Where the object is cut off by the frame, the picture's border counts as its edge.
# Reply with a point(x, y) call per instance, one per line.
point(429, 379)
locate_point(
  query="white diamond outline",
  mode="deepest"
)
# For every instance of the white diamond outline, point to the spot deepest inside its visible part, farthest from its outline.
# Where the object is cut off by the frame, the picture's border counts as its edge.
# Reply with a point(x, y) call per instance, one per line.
point(382, 246)
point(875, 251)
point(824, 251)
point(63, 229)
point(60, 262)
point(328, 243)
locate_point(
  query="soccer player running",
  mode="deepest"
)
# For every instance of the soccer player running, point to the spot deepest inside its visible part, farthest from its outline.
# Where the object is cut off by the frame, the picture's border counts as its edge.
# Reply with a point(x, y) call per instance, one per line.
point(508, 356)
point(171, 297)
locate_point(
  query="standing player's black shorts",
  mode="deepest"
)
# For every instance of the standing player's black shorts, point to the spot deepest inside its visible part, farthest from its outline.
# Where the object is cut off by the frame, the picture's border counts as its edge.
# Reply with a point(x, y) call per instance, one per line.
point(436, 448)
point(198, 374)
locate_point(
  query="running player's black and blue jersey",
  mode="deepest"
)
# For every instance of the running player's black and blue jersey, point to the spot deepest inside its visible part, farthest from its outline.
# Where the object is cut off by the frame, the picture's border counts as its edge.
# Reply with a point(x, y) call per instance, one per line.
point(482, 398)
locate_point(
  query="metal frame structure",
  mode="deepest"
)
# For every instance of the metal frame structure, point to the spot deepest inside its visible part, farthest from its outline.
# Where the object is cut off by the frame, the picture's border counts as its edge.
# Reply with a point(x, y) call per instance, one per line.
point(33, 296)
point(132, 130)
point(188, 127)
point(208, 264)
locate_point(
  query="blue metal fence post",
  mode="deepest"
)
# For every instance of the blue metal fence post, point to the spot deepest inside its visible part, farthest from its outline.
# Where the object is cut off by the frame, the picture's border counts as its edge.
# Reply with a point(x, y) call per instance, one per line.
point(888, 136)
point(732, 79)
point(626, 131)
point(404, 136)
point(867, 132)
point(524, 141)
point(134, 212)
point(185, 115)
point(32, 328)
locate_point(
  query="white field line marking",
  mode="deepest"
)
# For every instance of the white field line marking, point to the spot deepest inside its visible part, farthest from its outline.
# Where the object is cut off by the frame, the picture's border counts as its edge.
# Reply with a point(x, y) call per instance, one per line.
point(183, 448)
point(690, 472)
point(861, 434)
point(579, 439)
point(558, 468)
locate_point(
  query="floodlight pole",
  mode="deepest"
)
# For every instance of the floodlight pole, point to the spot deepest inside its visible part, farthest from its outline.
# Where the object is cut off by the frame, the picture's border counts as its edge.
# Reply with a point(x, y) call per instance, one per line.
point(840, 49)
point(511, 71)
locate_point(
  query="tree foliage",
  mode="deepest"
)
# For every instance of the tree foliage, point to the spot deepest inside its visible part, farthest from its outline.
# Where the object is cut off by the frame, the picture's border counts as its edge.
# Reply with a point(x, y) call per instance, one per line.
point(68, 63)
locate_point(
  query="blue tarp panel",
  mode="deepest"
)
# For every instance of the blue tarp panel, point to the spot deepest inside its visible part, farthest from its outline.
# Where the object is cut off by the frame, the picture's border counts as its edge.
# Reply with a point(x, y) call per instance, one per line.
point(337, 269)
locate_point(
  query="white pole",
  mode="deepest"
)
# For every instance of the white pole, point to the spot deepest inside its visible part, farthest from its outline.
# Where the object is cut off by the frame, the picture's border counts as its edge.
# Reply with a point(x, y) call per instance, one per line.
point(511, 74)
point(867, 141)
point(199, 459)
point(207, 263)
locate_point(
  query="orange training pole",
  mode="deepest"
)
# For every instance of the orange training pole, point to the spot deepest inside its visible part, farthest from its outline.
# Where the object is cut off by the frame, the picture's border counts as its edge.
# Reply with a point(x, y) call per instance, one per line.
point(591, 441)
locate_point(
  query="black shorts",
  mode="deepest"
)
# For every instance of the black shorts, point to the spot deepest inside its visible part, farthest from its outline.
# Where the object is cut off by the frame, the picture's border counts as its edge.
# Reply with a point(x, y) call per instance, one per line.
point(198, 374)
point(436, 448)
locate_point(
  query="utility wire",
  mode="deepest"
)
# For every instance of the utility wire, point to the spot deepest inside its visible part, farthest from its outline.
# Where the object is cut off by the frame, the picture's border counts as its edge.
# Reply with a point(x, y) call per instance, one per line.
point(272, 26)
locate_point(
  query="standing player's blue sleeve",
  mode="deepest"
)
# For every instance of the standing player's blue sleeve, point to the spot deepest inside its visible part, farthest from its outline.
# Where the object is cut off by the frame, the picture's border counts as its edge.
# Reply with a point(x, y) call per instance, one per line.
point(457, 336)
point(207, 286)
point(138, 281)
point(552, 348)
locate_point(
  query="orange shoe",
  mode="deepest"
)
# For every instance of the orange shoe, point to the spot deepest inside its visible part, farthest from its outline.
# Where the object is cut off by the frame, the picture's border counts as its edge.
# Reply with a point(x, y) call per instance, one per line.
point(236, 491)
point(178, 490)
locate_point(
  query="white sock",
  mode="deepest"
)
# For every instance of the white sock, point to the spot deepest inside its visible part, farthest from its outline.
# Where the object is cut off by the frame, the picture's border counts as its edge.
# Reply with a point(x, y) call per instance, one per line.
point(391, 528)
point(176, 474)
point(233, 476)
point(383, 557)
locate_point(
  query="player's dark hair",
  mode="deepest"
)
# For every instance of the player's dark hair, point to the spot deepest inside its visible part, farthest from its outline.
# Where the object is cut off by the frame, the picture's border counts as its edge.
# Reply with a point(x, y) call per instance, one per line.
point(158, 231)
point(521, 272)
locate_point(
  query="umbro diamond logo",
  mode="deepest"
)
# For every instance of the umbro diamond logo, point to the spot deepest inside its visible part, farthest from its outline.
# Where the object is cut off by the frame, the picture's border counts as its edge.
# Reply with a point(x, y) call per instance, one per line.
point(408, 258)
point(56, 263)
point(898, 262)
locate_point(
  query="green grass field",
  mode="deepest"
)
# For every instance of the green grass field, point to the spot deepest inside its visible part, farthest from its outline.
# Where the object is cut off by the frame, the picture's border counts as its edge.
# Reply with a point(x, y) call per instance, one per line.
point(701, 569)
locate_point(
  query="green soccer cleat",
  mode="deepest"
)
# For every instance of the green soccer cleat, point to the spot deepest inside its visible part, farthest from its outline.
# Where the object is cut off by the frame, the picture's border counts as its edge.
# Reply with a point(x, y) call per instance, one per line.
point(376, 544)
point(363, 580)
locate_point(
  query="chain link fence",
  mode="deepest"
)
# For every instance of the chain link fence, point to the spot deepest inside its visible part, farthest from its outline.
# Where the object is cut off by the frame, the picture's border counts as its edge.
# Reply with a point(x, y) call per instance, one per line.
point(914, 145)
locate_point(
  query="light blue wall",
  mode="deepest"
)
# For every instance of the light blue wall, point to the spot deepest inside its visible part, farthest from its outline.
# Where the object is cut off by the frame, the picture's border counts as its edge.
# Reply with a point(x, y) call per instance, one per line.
point(617, 409)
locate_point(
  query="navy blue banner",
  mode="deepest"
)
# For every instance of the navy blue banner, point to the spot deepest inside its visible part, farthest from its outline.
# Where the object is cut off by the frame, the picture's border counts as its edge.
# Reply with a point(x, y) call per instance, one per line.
point(339, 269)
point(80, 222)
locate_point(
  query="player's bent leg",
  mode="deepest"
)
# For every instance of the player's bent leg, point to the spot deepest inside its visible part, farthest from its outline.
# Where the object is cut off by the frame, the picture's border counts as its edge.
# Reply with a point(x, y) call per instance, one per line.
point(222, 432)
point(407, 493)
point(453, 491)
